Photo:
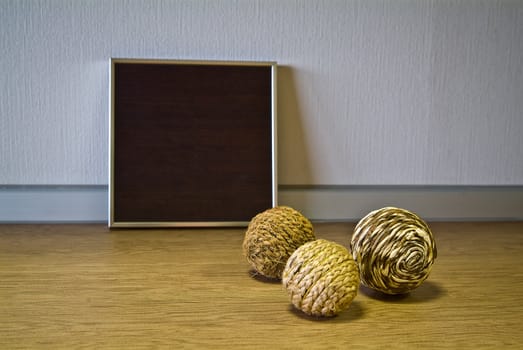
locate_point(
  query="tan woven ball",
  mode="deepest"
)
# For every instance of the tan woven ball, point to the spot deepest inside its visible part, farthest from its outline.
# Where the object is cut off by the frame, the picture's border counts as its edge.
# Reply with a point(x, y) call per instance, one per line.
point(272, 236)
point(321, 278)
point(395, 250)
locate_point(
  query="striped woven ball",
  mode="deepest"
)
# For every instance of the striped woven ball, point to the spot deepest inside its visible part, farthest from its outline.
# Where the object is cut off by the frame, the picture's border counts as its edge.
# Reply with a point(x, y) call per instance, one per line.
point(321, 278)
point(395, 250)
point(272, 236)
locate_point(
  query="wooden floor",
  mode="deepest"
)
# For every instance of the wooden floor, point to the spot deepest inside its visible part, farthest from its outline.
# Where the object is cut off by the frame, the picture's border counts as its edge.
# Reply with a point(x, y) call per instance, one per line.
point(84, 286)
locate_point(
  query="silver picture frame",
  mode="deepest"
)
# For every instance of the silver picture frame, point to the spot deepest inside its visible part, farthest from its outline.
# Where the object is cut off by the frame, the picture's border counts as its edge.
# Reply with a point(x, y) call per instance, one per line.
point(192, 143)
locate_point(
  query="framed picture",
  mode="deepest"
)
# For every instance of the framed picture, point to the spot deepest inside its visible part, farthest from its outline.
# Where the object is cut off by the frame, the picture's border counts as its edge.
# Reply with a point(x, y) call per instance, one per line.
point(192, 143)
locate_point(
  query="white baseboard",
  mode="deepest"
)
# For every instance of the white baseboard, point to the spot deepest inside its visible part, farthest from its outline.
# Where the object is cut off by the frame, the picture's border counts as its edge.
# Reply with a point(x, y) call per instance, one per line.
point(78, 204)
point(437, 203)
point(50, 204)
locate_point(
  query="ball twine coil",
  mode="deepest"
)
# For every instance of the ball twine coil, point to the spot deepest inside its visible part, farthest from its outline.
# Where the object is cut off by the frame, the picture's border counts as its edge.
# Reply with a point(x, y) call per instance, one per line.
point(395, 250)
point(272, 236)
point(321, 278)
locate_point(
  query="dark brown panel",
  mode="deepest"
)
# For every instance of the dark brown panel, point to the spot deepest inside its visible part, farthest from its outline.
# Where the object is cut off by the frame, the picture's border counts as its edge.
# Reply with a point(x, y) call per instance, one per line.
point(192, 142)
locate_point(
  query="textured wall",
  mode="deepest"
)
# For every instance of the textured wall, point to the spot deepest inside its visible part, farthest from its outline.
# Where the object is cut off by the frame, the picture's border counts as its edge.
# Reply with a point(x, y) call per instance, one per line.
point(370, 92)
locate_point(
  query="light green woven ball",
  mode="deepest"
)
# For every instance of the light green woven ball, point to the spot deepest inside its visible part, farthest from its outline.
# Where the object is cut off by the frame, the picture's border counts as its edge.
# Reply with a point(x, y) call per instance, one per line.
point(321, 278)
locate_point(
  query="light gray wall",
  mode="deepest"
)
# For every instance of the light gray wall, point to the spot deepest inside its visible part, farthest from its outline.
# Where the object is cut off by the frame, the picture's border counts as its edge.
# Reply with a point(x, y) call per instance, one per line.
point(370, 92)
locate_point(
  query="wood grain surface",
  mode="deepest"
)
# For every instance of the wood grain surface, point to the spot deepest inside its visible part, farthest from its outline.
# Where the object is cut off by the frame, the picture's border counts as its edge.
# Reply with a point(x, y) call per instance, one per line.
point(84, 286)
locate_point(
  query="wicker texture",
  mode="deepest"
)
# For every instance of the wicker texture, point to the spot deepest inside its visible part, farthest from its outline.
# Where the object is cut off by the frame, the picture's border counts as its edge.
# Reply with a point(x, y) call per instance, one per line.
point(321, 278)
point(395, 250)
point(272, 236)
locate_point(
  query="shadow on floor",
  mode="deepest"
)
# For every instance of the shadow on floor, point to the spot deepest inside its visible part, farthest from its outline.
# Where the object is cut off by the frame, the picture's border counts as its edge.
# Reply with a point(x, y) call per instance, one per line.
point(426, 292)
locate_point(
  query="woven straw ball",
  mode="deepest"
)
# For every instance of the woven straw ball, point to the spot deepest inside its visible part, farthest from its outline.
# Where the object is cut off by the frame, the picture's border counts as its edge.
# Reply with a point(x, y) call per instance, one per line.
point(395, 250)
point(321, 278)
point(272, 236)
